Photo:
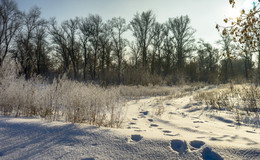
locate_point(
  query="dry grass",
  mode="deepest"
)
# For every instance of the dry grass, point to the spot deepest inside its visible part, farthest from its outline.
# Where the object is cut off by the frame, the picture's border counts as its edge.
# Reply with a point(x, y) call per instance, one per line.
point(63, 99)
point(243, 100)
point(138, 92)
point(159, 107)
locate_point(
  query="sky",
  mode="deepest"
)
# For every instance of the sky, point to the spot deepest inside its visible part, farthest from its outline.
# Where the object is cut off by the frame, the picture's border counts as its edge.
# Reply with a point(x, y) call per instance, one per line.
point(204, 14)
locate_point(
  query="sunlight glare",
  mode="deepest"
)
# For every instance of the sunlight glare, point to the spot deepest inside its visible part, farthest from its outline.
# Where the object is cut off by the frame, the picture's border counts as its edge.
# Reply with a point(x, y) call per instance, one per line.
point(248, 4)
point(234, 13)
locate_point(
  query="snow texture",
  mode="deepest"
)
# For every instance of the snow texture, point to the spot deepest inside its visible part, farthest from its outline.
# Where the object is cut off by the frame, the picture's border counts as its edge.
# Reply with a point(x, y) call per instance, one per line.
point(185, 130)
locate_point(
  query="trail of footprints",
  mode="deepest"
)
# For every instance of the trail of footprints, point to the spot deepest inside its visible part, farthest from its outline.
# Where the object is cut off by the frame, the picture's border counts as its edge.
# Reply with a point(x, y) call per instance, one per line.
point(143, 114)
point(182, 147)
point(176, 145)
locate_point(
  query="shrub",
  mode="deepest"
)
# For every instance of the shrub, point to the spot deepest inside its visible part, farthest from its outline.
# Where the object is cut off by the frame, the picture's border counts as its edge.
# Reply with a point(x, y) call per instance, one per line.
point(243, 100)
point(73, 101)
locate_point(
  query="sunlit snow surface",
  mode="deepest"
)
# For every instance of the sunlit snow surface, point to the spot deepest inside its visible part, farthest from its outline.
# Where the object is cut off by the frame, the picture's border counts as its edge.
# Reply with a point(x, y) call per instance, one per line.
point(185, 130)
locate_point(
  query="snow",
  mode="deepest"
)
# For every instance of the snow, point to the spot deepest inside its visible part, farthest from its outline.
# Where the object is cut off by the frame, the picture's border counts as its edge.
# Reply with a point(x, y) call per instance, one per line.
point(184, 129)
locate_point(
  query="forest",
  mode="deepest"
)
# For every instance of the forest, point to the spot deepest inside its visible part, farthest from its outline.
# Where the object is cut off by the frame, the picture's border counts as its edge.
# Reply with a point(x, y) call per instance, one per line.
point(89, 49)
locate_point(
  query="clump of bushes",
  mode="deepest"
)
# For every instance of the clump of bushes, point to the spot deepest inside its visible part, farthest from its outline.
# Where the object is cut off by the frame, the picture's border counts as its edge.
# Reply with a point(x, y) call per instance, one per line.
point(62, 99)
point(243, 100)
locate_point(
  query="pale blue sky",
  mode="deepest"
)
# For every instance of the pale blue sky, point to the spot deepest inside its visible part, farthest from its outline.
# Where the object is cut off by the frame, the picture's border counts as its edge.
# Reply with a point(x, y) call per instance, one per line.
point(204, 14)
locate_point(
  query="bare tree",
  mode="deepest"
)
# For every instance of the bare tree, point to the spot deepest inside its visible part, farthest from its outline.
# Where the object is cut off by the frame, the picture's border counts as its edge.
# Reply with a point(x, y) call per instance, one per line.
point(70, 28)
point(227, 47)
point(157, 44)
point(61, 45)
point(86, 30)
point(67, 45)
point(25, 47)
point(183, 38)
point(96, 22)
point(207, 60)
point(248, 63)
point(10, 22)
point(41, 47)
point(168, 49)
point(118, 27)
point(135, 50)
point(105, 44)
point(141, 26)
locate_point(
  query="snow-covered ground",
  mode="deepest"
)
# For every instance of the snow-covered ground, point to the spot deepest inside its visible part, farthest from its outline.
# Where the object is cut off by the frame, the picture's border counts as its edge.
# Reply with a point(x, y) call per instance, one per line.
point(154, 128)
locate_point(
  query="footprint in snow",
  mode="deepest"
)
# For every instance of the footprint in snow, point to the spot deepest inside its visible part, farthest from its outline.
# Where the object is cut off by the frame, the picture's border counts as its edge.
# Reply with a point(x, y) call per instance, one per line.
point(166, 131)
point(145, 113)
point(250, 131)
point(201, 137)
point(208, 154)
point(196, 144)
point(150, 120)
point(138, 130)
point(154, 125)
point(172, 135)
point(136, 137)
point(198, 122)
point(88, 159)
point(179, 146)
point(94, 144)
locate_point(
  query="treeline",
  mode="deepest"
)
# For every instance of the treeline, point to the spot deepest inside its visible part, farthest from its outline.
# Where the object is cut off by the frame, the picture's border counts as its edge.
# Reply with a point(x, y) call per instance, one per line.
point(90, 49)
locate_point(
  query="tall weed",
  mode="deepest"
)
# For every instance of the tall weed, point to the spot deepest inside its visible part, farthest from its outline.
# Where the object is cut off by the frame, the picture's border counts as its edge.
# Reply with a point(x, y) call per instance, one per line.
point(62, 99)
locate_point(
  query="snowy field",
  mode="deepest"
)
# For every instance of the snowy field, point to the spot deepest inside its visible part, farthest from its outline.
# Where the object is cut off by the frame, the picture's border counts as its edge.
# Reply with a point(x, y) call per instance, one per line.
point(154, 128)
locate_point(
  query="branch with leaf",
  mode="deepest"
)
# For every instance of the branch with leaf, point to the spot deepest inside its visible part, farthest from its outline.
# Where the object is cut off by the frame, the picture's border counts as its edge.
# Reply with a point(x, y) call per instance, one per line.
point(245, 29)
